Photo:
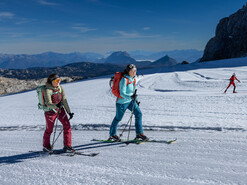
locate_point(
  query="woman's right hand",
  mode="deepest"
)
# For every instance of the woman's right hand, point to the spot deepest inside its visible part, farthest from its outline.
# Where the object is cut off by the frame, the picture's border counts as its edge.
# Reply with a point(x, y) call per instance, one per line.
point(60, 105)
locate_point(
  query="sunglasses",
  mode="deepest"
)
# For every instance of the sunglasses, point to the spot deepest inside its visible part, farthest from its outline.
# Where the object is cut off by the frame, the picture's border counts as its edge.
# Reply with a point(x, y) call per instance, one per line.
point(133, 69)
point(57, 80)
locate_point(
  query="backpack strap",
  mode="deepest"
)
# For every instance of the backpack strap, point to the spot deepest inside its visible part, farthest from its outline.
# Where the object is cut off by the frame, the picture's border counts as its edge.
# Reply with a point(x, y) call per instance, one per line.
point(127, 83)
point(51, 93)
point(43, 99)
point(57, 92)
point(127, 80)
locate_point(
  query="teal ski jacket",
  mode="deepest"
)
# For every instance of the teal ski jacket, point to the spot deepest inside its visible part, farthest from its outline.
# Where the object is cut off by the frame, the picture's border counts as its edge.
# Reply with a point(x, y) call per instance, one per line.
point(126, 91)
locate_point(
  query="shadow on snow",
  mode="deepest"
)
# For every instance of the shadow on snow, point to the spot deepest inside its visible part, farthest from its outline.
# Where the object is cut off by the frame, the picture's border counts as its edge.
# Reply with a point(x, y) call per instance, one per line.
point(34, 154)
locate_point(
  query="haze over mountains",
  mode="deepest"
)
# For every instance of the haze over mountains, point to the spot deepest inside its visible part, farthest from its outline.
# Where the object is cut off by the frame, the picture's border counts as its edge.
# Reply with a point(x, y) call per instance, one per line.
point(48, 59)
point(190, 55)
point(81, 70)
point(51, 59)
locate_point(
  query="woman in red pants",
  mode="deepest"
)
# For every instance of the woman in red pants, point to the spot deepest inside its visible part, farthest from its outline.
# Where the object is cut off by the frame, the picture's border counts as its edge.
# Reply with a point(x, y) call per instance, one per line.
point(56, 101)
point(233, 77)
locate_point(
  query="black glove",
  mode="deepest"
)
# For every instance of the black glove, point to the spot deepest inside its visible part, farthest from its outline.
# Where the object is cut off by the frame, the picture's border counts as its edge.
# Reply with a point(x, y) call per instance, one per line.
point(71, 115)
point(134, 96)
point(59, 105)
point(138, 103)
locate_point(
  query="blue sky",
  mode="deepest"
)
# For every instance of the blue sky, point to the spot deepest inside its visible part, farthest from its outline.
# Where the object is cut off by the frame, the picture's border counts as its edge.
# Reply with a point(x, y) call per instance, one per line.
point(36, 26)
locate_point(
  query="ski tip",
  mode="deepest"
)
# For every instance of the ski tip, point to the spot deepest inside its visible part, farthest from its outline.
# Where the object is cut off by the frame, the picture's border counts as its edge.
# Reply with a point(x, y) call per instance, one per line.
point(95, 154)
point(172, 141)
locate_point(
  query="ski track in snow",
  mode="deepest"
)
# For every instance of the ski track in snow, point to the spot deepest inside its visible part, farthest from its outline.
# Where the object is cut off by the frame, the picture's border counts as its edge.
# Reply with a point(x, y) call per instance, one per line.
point(188, 105)
point(172, 100)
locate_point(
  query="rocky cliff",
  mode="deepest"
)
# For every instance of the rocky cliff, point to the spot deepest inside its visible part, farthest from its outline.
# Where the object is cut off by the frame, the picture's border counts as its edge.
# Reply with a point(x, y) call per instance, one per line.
point(230, 39)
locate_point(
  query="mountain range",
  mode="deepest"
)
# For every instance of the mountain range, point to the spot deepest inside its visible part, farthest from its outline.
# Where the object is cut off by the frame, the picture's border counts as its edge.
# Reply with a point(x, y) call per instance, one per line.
point(81, 70)
point(190, 55)
point(51, 59)
point(123, 58)
point(48, 59)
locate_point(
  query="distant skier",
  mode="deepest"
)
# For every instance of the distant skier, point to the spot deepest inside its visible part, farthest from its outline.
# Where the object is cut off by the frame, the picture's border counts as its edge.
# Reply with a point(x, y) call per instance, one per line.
point(126, 99)
point(56, 101)
point(233, 77)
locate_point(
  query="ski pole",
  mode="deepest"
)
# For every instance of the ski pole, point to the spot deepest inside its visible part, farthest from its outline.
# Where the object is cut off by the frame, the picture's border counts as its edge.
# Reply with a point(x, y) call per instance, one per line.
point(53, 142)
point(130, 124)
point(125, 126)
point(129, 119)
point(132, 112)
point(58, 136)
point(224, 87)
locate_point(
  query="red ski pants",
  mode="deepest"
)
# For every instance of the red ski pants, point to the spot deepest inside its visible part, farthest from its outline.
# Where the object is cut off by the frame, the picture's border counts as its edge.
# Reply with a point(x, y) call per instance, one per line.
point(50, 121)
point(231, 83)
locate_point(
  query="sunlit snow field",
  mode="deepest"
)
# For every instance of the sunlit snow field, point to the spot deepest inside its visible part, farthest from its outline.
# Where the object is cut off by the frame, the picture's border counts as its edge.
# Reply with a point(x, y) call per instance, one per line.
point(186, 104)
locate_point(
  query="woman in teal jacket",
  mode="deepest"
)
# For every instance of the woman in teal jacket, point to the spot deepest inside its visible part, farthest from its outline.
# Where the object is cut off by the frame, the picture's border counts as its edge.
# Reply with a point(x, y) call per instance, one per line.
point(126, 102)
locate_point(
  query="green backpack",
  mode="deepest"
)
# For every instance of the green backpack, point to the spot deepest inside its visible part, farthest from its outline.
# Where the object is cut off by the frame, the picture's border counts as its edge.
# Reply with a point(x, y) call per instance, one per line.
point(40, 91)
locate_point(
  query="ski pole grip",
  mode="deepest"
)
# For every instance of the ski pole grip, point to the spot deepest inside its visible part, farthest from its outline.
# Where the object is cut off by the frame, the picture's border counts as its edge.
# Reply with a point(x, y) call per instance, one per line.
point(135, 94)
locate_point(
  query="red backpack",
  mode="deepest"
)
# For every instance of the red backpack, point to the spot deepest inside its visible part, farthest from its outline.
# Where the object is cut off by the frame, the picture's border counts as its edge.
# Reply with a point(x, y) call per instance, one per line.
point(115, 87)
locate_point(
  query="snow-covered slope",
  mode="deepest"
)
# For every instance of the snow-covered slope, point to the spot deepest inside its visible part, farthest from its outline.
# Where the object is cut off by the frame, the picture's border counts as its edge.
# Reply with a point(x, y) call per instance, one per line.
point(187, 104)
point(191, 98)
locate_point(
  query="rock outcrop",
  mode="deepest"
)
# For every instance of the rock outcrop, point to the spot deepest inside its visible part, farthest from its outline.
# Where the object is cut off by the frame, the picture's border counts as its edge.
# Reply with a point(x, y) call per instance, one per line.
point(14, 85)
point(230, 39)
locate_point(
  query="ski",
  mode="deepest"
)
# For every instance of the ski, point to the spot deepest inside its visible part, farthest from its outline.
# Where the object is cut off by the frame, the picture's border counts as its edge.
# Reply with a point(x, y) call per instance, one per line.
point(62, 153)
point(163, 141)
point(122, 141)
point(138, 141)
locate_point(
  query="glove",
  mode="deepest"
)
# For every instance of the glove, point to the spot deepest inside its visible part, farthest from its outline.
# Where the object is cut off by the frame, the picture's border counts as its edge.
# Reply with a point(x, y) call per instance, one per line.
point(138, 103)
point(134, 96)
point(59, 105)
point(71, 115)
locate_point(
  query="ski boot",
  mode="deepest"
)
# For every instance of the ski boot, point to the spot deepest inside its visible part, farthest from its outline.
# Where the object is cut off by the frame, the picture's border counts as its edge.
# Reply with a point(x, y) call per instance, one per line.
point(114, 138)
point(47, 149)
point(234, 90)
point(68, 149)
point(141, 137)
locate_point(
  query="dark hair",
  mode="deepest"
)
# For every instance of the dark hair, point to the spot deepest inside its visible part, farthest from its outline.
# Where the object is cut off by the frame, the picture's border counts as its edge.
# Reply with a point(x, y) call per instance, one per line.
point(52, 77)
point(128, 68)
point(125, 72)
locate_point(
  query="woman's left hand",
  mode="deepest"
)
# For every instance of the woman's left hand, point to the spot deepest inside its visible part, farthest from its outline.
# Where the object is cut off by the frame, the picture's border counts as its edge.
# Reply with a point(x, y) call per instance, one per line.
point(71, 115)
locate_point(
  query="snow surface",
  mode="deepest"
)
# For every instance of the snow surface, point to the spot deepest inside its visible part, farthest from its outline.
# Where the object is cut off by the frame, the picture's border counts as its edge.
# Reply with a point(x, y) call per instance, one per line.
point(185, 102)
